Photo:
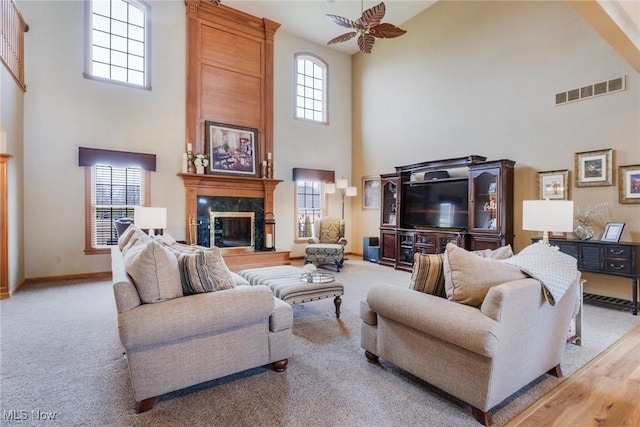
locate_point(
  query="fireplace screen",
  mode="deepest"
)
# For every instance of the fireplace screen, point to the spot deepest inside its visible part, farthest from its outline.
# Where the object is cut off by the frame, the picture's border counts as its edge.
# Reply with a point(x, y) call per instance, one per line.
point(233, 230)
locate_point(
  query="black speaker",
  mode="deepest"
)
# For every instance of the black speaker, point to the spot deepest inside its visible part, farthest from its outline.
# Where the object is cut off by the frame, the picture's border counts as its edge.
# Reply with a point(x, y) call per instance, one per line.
point(428, 176)
point(371, 249)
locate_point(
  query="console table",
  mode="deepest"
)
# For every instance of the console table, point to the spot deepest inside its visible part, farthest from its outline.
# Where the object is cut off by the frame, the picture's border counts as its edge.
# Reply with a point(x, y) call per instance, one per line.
point(615, 259)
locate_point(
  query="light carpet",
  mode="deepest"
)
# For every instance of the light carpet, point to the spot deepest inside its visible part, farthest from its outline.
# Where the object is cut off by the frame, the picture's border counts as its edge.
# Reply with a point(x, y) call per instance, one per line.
point(60, 354)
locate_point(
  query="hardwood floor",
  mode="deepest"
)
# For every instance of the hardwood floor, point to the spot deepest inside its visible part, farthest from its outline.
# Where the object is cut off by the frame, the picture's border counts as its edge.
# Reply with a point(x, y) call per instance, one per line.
point(603, 392)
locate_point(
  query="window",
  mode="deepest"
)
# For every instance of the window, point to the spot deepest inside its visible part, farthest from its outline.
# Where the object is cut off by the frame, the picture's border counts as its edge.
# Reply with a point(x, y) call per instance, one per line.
point(113, 193)
point(309, 199)
point(118, 42)
point(311, 88)
point(309, 206)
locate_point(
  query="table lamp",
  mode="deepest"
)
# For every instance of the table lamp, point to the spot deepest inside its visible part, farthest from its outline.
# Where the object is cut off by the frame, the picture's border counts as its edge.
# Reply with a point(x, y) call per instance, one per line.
point(151, 219)
point(547, 215)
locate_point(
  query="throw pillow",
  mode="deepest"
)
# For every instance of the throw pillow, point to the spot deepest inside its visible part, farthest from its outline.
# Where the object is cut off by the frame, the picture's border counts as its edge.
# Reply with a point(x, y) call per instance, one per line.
point(154, 271)
point(469, 277)
point(502, 252)
point(127, 234)
point(138, 237)
point(204, 271)
point(165, 239)
point(428, 274)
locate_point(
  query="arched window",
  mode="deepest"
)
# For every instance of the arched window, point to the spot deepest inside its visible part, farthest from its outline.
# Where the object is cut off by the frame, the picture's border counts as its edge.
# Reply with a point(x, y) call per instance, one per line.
point(118, 42)
point(311, 88)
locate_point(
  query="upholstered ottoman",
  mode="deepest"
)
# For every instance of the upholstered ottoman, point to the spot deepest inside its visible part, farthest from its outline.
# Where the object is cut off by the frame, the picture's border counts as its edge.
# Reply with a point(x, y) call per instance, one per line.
point(287, 284)
point(325, 253)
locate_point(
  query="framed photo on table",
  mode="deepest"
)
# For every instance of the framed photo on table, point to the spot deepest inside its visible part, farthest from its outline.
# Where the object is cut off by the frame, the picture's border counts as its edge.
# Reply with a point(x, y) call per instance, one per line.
point(371, 192)
point(612, 232)
point(629, 184)
point(594, 168)
point(553, 185)
point(231, 149)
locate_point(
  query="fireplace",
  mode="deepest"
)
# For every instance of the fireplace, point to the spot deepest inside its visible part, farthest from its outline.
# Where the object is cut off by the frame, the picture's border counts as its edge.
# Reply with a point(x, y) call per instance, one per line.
point(232, 214)
point(231, 231)
point(225, 193)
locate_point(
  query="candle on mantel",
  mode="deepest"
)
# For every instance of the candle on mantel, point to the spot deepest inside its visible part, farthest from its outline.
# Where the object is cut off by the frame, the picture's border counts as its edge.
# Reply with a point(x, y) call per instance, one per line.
point(3, 141)
point(189, 147)
point(269, 244)
point(269, 155)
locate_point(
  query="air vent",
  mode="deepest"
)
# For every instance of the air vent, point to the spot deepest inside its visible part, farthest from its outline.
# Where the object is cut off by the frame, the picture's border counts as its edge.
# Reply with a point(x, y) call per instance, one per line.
point(596, 89)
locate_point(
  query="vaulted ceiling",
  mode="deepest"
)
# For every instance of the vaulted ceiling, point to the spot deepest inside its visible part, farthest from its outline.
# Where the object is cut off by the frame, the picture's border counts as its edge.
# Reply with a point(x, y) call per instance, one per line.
point(618, 22)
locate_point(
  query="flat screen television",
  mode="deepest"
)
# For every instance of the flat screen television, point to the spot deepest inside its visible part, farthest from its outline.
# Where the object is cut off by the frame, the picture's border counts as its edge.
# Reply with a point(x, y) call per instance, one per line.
point(436, 204)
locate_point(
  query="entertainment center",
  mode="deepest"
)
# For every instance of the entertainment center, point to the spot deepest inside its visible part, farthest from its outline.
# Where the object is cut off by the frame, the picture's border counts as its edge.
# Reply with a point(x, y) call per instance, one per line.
point(466, 200)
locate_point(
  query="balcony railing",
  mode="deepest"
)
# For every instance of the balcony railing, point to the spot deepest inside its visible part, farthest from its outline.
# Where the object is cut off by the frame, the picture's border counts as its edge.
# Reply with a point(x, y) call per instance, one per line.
point(12, 46)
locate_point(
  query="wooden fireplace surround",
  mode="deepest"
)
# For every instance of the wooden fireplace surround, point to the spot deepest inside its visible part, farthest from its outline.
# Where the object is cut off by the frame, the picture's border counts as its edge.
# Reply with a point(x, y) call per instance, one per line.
point(230, 81)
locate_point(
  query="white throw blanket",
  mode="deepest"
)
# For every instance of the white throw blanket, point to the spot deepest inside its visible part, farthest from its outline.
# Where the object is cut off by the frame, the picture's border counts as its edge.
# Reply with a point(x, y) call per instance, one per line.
point(554, 269)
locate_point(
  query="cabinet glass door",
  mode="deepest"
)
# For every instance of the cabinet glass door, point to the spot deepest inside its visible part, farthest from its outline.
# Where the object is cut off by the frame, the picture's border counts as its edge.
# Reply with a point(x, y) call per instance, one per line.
point(389, 202)
point(486, 200)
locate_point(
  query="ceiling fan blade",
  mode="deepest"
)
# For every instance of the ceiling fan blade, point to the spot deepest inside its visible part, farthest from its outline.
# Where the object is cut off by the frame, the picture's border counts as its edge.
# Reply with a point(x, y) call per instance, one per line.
point(387, 31)
point(342, 38)
point(365, 43)
point(373, 16)
point(343, 22)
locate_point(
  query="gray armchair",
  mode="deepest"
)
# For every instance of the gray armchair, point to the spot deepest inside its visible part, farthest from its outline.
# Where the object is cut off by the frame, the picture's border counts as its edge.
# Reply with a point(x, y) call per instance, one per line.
point(327, 245)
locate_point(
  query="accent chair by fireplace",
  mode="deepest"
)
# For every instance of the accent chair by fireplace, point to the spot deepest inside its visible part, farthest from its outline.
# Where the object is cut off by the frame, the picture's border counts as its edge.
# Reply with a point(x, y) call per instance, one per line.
point(327, 245)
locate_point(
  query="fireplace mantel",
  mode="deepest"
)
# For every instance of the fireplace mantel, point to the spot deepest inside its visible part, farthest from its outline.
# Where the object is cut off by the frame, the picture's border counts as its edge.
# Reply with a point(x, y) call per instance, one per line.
point(232, 186)
point(225, 186)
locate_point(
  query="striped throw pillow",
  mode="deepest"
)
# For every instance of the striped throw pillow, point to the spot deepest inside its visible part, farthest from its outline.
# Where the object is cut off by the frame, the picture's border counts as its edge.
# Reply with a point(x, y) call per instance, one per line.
point(428, 274)
point(204, 271)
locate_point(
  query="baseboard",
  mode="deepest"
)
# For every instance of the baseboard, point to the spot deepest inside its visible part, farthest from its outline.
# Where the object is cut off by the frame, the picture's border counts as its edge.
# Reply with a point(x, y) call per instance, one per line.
point(82, 276)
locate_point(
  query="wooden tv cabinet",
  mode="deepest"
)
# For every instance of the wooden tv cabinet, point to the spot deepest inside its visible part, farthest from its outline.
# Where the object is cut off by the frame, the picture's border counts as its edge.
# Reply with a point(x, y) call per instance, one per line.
point(490, 208)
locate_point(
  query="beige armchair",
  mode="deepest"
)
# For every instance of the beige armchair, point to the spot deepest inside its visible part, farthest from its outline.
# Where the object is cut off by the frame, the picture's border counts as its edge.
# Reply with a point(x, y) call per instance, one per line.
point(479, 355)
point(327, 245)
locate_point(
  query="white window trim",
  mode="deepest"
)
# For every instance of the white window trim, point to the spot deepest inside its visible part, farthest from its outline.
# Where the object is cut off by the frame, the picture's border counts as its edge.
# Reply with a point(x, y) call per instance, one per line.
point(88, 30)
point(325, 66)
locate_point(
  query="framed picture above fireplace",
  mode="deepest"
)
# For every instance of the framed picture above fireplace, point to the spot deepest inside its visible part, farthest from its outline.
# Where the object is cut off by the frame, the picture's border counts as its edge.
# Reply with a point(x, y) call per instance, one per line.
point(231, 149)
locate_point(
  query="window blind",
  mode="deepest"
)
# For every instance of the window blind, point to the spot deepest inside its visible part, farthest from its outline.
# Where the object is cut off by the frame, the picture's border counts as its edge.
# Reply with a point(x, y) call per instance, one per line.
point(115, 193)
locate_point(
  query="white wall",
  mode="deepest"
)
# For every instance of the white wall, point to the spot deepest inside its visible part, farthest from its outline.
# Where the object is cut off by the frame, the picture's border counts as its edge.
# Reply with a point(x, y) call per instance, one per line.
point(480, 78)
point(11, 124)
point(303, 144)
point(64, 111)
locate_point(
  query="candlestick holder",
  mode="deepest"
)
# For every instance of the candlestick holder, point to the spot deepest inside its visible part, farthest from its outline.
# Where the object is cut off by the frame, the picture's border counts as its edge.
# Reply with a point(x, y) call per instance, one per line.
point(191, 168)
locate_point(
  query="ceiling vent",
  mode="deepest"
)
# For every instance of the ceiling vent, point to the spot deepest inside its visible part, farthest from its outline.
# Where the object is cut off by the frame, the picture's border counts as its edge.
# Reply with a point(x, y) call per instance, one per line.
point(601, 88)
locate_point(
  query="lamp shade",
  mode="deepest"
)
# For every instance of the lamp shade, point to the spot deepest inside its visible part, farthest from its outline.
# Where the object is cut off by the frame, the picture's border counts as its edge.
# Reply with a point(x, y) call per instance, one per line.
point(150, 218)
point(342, 183)
point(547, 215)
point(330, 187)
point(351, 191)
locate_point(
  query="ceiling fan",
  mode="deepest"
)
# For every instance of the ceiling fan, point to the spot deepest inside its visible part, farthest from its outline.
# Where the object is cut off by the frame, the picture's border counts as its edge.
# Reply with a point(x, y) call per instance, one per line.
point(368, 27)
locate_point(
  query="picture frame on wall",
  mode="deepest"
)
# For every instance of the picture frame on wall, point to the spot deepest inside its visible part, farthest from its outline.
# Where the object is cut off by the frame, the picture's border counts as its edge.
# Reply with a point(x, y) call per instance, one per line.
point(553, 185)
point(629, 184)
point(231, 149)
point(371, 192)
point(612, 232)
point(594, 168)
